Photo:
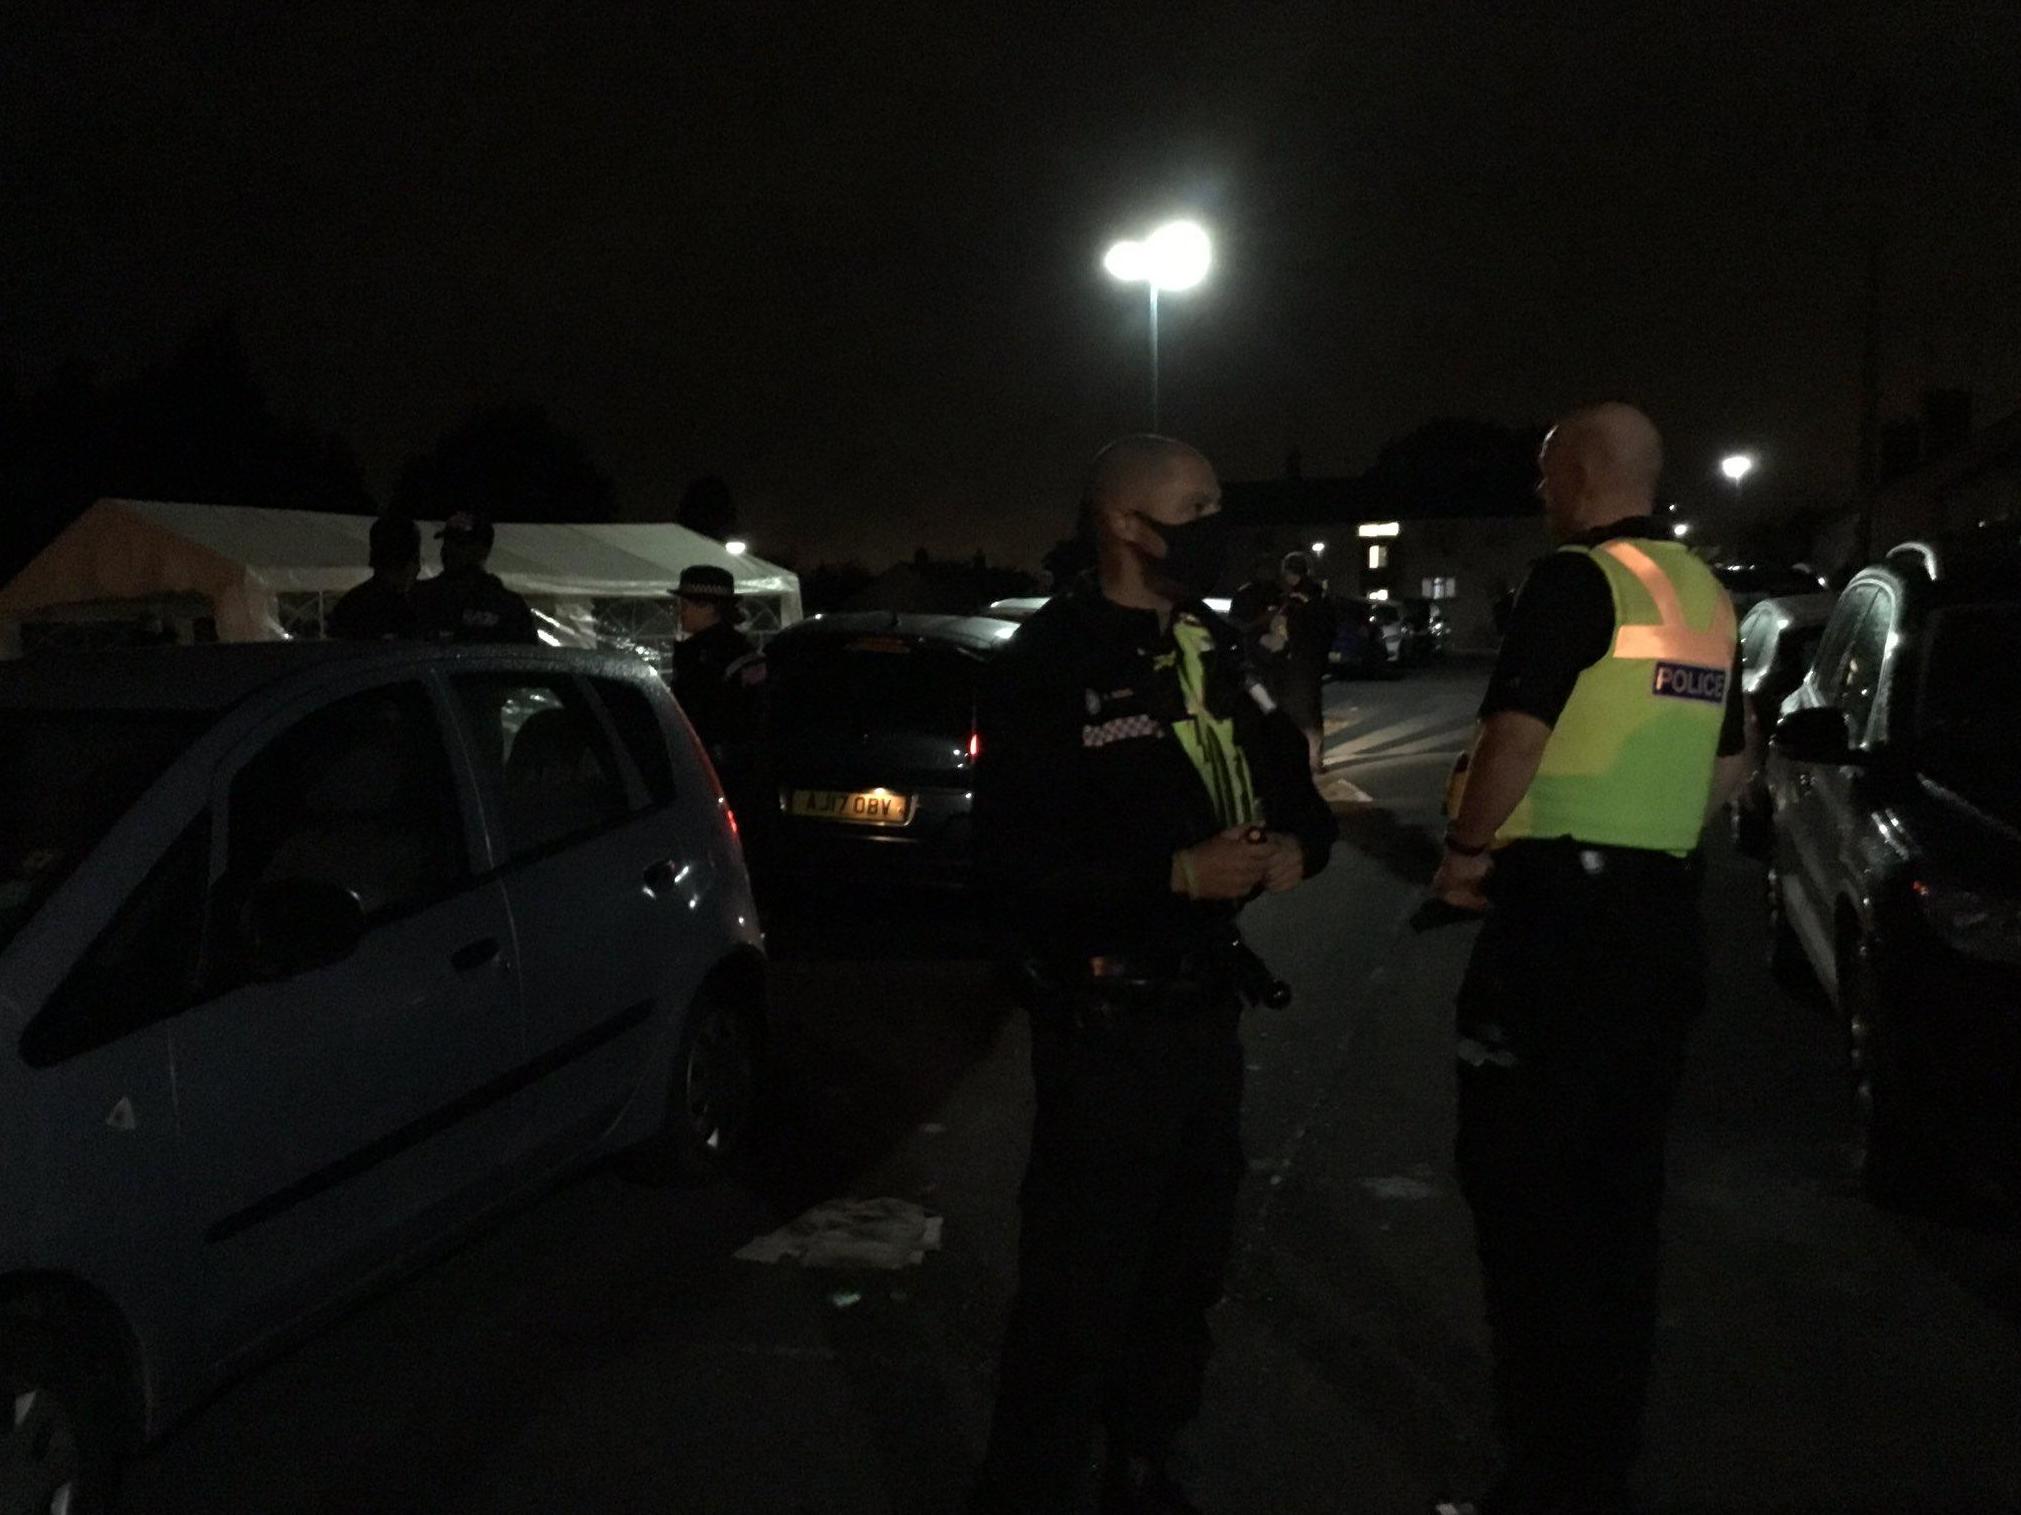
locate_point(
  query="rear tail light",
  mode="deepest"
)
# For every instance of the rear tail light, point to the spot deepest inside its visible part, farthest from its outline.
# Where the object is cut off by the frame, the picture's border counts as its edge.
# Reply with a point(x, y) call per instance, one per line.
point(974, 746)
point(708, 766)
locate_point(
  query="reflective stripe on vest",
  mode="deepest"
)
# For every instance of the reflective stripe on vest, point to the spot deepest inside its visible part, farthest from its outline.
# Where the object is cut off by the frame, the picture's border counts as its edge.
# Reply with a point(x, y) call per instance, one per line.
point(1630, 760)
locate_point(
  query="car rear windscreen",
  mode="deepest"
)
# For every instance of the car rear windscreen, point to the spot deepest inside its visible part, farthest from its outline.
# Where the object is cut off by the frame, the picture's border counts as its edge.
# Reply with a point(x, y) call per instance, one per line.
point(874, 683)
point(65, 778)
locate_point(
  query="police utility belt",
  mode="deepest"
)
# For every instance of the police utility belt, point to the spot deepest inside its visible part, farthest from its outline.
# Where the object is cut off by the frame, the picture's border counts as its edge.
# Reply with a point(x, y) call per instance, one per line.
point(1146, 980)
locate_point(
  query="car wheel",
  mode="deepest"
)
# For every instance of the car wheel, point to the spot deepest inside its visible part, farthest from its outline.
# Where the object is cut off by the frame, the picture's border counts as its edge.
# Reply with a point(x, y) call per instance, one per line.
point(713, 1104)
point(59, 1428)
point(1786, 961)
point(1890, 1155)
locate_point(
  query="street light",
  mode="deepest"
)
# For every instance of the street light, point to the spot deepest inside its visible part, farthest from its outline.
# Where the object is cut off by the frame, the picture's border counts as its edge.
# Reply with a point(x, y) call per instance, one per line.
point(1319, 549)
point(1175, 256)
point(1736, 466)
point(1681, 529)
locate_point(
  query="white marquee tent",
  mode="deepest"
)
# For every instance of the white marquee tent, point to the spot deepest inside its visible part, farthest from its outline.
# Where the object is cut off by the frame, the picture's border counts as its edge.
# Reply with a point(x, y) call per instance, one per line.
point(242, 574)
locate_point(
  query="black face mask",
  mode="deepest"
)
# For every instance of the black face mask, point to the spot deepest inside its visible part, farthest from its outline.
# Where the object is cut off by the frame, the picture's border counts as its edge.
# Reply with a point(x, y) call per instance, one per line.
point(1195, 552)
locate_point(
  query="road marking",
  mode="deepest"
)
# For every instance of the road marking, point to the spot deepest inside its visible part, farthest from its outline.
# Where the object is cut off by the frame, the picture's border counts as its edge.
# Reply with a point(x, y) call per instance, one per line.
point(1336, 790)
point(1396, 733)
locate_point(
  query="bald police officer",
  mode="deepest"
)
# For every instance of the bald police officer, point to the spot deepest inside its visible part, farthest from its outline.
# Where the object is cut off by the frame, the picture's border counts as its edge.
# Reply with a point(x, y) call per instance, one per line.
point(1612, 729)
point(1135, 790)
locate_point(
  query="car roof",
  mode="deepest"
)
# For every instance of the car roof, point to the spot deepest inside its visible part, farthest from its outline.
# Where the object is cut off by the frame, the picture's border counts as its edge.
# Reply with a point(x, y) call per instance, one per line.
point(218, 677)
point(973, 633)
point(1979, 563)
point(1797, 609)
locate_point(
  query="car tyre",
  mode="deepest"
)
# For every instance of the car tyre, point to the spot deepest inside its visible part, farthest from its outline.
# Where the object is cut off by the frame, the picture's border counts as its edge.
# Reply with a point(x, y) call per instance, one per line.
point(60, 1424)
point(716, 1094)
point(1890, 1151)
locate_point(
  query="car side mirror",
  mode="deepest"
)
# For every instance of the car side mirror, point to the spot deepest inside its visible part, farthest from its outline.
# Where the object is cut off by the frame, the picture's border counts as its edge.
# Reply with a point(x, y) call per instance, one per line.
point(298, 925)
point(1819, 734)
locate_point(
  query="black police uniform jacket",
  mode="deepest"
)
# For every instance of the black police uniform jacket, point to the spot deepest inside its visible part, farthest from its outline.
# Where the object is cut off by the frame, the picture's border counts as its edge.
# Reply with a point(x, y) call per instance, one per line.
point(1083, 792)
point(716, 674)
point(473, 606)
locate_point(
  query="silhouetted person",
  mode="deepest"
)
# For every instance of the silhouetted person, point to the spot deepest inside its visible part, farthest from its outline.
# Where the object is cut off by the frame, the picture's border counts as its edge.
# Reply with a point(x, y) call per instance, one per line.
point(716, 669)
point(382, 608)
point(1308, 629)
point(464, 603)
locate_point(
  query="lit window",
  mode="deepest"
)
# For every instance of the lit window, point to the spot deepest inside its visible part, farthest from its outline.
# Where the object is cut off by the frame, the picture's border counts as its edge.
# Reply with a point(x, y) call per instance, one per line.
point(1378, 529)
point(1378, 556)
point(1440, 588)
point(1378, 594)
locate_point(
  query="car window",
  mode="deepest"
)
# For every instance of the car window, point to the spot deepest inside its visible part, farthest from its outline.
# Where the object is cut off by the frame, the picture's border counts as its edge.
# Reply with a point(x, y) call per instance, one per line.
point(1859, 680)
point(65, 778)
point(143, 967)
point(883, 683)
point(1757, 639)
point(1831, 650)
point(360, 795)
point(544, 756)
point(638, 726)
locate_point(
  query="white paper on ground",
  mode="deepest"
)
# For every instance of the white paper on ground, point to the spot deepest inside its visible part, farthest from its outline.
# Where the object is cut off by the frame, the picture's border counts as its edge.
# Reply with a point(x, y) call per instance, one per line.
point(852, 1233)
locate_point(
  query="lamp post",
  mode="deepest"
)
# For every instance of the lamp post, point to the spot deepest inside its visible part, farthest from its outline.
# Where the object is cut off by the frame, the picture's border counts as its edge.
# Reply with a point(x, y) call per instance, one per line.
point(1176, 256)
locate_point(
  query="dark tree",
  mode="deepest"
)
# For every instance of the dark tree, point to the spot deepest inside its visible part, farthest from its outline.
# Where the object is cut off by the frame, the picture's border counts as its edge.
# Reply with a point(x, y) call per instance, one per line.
point(707, 507)
point(196, 428)
point(510, 463)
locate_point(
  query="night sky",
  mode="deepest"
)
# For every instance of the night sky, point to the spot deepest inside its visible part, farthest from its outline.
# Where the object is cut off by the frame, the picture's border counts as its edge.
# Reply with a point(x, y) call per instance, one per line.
point(849, 255)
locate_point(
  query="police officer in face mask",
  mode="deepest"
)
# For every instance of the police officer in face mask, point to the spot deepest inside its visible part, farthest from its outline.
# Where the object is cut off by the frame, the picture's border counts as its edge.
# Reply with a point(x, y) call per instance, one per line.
point(1136, 788)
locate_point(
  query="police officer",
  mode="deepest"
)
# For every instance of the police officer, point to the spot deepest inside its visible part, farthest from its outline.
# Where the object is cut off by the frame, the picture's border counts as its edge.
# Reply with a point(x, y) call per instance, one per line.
point(1133, 793)
point(464, 603)
point(716, 669)
point(381, 609)
point(1612, 728)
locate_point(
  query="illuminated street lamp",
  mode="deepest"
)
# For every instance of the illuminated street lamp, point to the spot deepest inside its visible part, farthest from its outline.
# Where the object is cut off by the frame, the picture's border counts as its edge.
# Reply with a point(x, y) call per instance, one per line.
point(1736, 466)
point(1680, 529)
point(1175, 256)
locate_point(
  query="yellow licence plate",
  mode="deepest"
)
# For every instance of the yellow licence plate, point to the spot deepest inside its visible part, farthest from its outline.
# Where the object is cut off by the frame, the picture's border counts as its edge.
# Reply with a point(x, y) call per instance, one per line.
point(862, 807)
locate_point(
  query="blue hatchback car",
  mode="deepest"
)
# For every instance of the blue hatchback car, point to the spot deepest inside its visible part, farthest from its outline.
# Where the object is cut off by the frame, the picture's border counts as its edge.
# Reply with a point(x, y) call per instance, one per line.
point(310, 958)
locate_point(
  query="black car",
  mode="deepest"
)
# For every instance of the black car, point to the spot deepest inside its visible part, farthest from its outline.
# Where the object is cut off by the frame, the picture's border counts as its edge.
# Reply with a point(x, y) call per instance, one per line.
point(1368, 639)
point(872, 744)
point(1778, 639)
point(1748, 584)
point(1895, 774)
point(1426, 631)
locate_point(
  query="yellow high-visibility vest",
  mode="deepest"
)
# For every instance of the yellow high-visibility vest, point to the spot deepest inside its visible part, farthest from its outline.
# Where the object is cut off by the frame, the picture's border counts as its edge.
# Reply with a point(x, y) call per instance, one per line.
point(1630, 761)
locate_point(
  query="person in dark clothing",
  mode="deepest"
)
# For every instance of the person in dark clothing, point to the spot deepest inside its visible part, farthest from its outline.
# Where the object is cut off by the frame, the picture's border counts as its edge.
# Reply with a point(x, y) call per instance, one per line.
point(1136, 788)
point(464, 603)
point(1257, 611)
point(1309, 625)
point(717, 672)
point(381, 609)
point(1612, 728)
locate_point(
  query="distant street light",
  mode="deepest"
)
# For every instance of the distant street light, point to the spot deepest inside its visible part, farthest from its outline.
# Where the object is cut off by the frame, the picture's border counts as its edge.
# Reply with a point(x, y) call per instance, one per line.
point(1175, 256)
point(1319, 549)
point(736, 547)
point(1680, 529)
point(1737, 466)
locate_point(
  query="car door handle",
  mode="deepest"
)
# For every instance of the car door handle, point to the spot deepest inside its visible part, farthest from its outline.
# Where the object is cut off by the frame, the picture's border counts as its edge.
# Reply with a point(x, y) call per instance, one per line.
point(479, 954)
point(660, 878)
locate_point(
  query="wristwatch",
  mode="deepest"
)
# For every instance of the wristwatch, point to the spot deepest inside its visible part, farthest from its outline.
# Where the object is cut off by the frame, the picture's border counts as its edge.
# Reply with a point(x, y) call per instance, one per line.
point(1461, 849)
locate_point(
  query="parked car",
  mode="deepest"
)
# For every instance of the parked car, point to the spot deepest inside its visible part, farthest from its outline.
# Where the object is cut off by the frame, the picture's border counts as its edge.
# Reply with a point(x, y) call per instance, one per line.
point(1425, 630)
point(873, 742)
point(1777, 641)
point(1748, 584)
point(311, 957)
point(1895, 774)
point(1024, 607)
point(1368, 640)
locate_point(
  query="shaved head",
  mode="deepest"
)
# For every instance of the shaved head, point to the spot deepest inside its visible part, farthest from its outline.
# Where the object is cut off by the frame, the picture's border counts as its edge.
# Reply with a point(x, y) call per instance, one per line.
point(1600, 464)
point(1132, 468)
point(1139, 489)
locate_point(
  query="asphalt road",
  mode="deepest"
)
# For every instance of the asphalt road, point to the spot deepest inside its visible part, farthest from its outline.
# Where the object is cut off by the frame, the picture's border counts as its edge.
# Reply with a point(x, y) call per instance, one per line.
point(604, 1351)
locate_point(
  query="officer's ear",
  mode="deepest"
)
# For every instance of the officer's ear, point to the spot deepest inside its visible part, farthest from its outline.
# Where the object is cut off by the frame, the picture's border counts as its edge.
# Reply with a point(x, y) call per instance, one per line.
point(1124, 525)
